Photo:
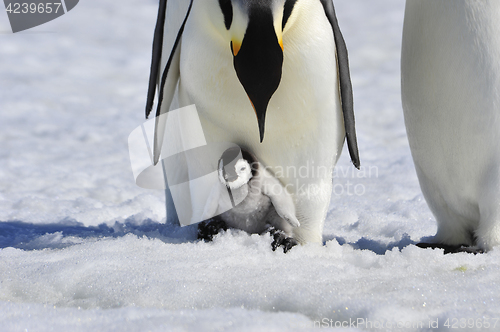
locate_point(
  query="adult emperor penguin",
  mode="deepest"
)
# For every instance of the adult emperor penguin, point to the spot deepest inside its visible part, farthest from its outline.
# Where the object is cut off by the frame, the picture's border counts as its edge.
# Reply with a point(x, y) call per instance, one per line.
point(271, 76)
point(451, 101)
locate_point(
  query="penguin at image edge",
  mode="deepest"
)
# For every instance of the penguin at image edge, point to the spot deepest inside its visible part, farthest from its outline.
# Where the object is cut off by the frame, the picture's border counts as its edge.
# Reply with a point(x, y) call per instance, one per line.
point(451, 100)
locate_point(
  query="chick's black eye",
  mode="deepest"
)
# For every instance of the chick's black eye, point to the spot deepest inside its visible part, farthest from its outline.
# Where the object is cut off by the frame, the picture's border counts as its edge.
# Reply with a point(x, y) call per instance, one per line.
point(227, 11)
point(287, 11)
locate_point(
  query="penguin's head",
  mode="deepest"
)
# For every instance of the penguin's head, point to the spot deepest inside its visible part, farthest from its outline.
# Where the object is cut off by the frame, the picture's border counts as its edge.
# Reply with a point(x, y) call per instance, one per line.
point(234, 170)
point(256, 28)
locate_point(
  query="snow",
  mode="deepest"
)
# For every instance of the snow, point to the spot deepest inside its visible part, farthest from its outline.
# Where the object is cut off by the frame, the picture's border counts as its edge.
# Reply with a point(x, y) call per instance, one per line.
point(83, 248)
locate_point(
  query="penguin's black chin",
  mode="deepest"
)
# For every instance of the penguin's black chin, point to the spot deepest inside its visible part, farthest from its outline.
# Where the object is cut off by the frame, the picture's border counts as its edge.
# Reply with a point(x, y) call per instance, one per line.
point(258, 63)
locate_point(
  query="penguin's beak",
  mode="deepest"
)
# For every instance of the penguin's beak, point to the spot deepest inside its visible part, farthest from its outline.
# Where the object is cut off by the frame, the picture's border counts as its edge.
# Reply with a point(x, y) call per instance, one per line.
point(258, 61)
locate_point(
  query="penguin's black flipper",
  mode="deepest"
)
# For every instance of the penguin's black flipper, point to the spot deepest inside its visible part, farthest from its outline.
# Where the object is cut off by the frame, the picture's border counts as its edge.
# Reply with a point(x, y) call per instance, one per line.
point(156, 56)
point(169, 39)
point(345, 83)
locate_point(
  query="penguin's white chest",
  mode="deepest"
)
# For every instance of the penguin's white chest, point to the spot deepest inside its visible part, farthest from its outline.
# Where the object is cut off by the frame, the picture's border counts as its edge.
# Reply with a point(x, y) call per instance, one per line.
point(305, 101)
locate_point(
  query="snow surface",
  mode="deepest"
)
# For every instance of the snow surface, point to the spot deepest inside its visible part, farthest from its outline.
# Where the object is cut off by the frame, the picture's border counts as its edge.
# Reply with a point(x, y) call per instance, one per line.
point(83, 248)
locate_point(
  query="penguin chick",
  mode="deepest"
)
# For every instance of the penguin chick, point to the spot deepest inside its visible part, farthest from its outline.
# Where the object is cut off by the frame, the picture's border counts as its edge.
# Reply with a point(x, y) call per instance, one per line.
point(263, 201)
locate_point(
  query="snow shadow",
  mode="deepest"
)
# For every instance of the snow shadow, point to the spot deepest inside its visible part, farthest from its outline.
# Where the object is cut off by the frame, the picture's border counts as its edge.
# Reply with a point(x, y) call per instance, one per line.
point(27, 236)
point(377, 247)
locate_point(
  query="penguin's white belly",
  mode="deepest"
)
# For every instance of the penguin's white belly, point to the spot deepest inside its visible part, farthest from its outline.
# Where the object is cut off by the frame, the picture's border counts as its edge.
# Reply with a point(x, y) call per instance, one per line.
point(451, 102)
point(304, 124)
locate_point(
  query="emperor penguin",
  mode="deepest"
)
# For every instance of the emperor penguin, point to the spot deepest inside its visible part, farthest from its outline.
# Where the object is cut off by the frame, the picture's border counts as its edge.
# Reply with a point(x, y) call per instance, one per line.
point(450, 70)
point(271, 76)
point(264, 203)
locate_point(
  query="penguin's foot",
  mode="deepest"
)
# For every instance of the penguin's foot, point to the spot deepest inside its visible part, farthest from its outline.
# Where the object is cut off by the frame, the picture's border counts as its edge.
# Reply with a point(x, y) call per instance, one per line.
point(451, 249)
point(208, 229)
point(281, 239)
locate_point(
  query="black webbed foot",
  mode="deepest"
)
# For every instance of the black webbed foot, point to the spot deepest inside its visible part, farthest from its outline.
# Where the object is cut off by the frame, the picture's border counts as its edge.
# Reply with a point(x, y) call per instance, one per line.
point(451, 249)
point(280, 239)
point(209, 228)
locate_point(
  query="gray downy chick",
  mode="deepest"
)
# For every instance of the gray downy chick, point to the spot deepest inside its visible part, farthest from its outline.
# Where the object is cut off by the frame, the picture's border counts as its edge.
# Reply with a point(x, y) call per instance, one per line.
point(264, 204)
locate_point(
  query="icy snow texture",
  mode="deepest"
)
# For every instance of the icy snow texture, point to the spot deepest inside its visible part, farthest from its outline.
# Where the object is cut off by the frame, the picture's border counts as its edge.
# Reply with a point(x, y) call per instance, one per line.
point(83, 248)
